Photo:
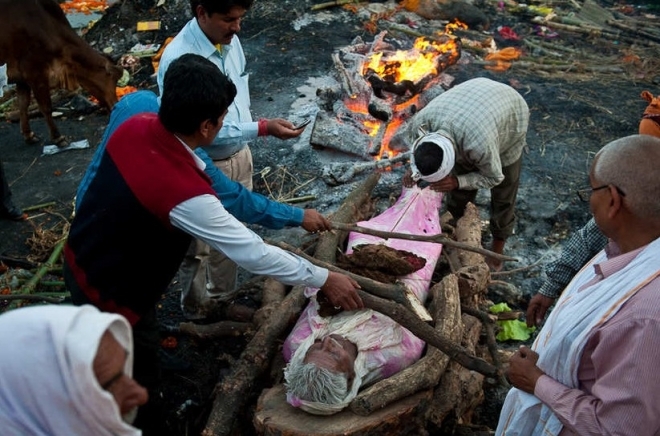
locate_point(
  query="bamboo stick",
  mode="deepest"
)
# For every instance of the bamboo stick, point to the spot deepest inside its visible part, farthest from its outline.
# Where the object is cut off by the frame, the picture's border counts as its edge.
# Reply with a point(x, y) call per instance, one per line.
point(32, 297)
point(39, 206)
point(576, 67)
point(638, 32)
point(331, 4)
point(32, 284)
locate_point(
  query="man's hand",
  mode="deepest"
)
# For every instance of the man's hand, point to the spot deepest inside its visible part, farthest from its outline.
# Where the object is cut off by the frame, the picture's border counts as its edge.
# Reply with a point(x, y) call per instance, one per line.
point(341, 291)
point(538, 306)
point(282, 129)
point(315, 222)
point(523, 372)
point(447, 184)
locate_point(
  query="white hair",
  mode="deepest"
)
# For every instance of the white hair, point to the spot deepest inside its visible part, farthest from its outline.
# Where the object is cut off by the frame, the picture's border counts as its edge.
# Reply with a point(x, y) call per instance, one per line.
point(310, 382)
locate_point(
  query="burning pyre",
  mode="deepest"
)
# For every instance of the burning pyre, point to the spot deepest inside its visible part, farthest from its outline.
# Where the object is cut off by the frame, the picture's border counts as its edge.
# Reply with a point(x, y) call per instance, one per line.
point(380, 89)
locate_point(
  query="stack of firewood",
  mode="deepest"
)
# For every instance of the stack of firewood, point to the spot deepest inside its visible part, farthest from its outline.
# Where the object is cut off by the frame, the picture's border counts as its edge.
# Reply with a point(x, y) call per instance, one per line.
point(440, 390)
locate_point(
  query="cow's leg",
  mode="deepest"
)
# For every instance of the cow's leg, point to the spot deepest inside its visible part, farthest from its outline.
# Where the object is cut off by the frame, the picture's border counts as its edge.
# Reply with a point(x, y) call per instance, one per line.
point(42, 95)
point(23, 94)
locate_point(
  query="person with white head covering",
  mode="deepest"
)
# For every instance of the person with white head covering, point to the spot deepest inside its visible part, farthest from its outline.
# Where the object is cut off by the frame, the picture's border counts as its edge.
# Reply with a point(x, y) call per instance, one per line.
point(66, 371)
point(476, 134)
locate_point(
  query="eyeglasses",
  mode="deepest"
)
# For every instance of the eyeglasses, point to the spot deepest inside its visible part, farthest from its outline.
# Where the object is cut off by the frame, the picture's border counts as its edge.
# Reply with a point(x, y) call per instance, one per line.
point(585, 193)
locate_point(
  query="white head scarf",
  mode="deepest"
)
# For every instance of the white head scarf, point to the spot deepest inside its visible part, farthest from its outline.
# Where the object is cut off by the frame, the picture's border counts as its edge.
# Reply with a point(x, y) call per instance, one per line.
point(447, 161)
point(47, 381)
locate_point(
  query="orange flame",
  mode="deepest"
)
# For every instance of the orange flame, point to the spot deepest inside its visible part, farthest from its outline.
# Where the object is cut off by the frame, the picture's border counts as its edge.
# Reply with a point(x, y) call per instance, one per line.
point(84, 6)
point(414, 64)
point(419, 65)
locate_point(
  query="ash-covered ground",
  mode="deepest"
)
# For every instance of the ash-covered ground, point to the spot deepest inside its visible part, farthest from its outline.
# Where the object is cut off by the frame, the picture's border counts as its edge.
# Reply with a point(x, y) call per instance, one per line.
point(573, 113)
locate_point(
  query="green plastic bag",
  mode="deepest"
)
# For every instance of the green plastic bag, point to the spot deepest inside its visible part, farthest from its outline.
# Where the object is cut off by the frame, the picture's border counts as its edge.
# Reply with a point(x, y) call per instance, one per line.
point(513, 329)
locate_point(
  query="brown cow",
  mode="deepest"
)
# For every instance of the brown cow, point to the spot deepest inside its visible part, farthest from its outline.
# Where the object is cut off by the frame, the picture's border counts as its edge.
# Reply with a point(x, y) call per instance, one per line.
point(42, 51)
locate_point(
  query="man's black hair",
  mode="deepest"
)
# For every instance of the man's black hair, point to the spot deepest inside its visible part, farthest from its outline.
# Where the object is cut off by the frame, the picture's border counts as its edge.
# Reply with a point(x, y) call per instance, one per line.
point(428, 158)
point(194, 90)
point(219, 6)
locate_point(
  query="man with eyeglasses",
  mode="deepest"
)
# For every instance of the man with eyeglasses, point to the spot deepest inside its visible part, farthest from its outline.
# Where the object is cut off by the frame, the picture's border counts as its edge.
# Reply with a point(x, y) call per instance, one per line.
point(592, 368)
point(580, 247)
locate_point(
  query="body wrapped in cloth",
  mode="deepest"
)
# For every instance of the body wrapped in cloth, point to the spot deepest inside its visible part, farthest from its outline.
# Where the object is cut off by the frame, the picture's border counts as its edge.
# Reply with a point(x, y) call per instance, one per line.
point(384, 347)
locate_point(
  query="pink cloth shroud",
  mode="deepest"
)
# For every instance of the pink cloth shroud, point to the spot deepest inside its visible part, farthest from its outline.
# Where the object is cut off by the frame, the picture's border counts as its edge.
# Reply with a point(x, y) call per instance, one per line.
point(384, 347)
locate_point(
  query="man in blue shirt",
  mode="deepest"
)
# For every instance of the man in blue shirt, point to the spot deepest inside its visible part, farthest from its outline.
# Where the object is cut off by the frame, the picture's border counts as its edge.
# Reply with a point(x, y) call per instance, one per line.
point(245, 205)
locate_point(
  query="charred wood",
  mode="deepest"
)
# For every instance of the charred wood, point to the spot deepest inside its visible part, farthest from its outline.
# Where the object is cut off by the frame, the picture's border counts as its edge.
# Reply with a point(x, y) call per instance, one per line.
point(273, 294)
point(342, 172)
point(344, 137)
point(468, 232)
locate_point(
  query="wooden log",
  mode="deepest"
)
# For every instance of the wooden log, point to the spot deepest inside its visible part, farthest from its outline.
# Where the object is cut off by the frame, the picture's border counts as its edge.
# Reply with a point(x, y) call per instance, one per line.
point(425, 332)
point(425, 373)
point(489, 325)
point(594, 31)
point(215, 330)
point(460, 390)
point(275, 417)
point(330, 4)
point(394, 292)
point(341, 172)
point(345, 137)
point(346, 213)
point(232, 392)
point(468, 232)
point(272, 295)
point(637, 32)
point(473, 280)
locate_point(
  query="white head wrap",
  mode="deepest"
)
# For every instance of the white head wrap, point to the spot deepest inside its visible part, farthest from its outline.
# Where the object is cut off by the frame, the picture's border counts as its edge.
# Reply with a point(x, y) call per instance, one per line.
point(447, 161)
point(47, 382)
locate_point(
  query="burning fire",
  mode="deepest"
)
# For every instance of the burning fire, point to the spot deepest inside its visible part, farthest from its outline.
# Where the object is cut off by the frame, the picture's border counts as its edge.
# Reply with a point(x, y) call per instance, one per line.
point(84, 6)
point(421, 61)
point(410, 72)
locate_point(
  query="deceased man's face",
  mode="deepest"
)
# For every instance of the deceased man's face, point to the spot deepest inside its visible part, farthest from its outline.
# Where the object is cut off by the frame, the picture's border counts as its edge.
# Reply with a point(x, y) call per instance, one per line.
point(335, 353)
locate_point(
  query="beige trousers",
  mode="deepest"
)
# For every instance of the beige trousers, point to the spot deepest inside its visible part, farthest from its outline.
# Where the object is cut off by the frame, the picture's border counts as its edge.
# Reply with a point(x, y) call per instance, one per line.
point(205, 273)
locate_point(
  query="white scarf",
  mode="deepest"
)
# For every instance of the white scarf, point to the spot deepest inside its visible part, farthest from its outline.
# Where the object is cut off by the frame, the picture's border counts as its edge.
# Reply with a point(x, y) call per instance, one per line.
point(47, 381)
point(448, 158)
point(561, 341)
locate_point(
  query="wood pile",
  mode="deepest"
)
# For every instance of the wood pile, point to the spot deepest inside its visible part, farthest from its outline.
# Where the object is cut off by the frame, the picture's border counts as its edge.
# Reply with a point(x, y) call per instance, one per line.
point(442, 389)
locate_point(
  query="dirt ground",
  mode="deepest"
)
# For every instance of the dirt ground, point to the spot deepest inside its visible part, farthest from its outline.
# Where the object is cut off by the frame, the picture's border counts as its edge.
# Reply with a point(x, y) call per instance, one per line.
point(573, 113)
